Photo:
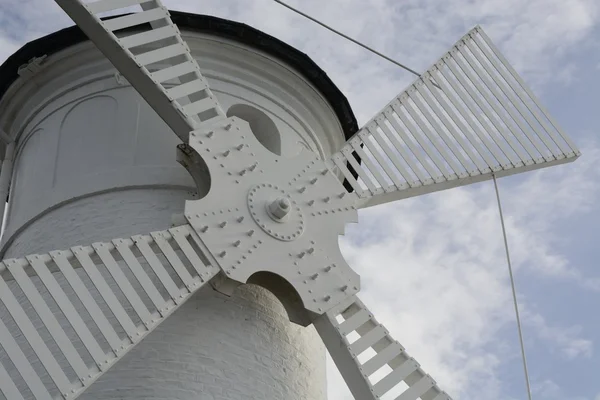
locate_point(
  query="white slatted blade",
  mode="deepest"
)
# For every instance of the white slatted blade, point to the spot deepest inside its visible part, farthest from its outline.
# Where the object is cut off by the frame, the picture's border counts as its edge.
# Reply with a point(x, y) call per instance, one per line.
point(467, 117)
point(152, 56)
point(373, 364)
point(66, 317)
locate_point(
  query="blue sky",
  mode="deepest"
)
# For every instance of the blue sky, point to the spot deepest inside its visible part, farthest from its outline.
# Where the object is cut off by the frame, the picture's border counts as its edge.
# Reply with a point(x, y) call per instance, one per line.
point(433, 267)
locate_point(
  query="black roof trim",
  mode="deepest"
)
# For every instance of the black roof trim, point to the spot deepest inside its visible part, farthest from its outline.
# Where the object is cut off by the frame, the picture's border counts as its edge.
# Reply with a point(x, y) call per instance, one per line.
point(236, 31)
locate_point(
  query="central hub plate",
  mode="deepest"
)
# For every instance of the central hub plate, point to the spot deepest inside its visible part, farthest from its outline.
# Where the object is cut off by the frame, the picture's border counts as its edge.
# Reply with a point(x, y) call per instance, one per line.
point(298, 203)
point(260, 197)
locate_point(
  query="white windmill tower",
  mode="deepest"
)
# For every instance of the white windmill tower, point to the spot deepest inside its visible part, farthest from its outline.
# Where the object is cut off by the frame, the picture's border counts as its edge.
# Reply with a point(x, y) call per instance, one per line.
point(92, 163)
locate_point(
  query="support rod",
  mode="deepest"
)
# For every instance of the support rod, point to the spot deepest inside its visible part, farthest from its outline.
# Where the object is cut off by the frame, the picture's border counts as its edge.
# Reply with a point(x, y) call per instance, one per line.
point(514, 291)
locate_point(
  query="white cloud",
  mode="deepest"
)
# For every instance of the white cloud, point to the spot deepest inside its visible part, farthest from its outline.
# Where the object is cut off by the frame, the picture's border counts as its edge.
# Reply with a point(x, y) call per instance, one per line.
point(567, 341)
point(546, 389)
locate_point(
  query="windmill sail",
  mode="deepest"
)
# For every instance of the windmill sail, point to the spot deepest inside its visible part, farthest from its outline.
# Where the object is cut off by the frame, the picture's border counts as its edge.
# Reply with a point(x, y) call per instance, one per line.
point(148, 50)
point(154, 274)
point(399, 374)
point(466, 118)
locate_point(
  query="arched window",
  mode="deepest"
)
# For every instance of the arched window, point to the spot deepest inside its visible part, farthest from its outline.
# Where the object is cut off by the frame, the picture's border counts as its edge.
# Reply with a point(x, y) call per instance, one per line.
point(262, 126)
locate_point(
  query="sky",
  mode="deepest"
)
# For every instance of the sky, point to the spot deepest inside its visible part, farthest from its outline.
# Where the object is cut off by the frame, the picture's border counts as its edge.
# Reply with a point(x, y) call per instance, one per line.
point(433, 268)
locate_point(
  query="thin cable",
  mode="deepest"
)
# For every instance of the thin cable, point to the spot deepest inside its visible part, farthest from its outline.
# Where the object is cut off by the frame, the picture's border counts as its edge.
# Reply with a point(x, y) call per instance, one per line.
point(412, 71)
point(514, 292)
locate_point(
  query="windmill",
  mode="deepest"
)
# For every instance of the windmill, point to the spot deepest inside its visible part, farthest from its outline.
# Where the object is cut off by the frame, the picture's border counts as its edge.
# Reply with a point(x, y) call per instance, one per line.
point(468, 118)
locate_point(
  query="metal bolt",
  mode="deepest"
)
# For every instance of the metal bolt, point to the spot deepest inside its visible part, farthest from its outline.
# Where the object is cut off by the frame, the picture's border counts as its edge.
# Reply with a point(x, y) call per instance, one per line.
point(223, 224)
point(326, 199)
point(240, 219)
point(302, 254)
point(328, 268)
point(324, 172)
point(341, 196)
point(280, 207)
point(227, 127)
point(226, 153)
point(344, 288)
point(204, 229)
point(222, 254)
point(240, 146)
point(327, 298)
point(210, 134)
point(313, 181)
point(243, 172)
point(302, 189)
point(311, 202)
point(314, 277)
point(237, 243)
point(311, 250)
point(251, 232)
point(253, 167)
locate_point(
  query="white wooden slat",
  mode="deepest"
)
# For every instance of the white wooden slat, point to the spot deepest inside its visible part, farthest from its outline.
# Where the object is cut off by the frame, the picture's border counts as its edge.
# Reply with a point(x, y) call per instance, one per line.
point(369, 339)
point(470, 100)
point(340, 162)
point(365, 159)
point(141, 242)
point(101, 6)
point(382, 358)
point(455, 169)
point(83, 256)
point(556, 133)
point(547, 140)
point(34, 339)
point(406, 156)
point(163, 53)
point(174, 71)
point(531, 132)
point(47, 317)
point(523, 136)
point(359, 170)
point(186, 89)
point(61, 259)
point(425, 154)
point(363, 135)
point(7, 386)
point(22, 364)
point(439, 130)
point(395, 377)
point(494, 163)
point(394, 158)
point(355, 321)
point(415, 391)
point(146, 37)
point(135, 19)
point(123, 246)
point(160, 238)
point(181, 234)
point(103, 251)
point(67, 308)
point(483, 168)
point(485, 106)
point(199, 106)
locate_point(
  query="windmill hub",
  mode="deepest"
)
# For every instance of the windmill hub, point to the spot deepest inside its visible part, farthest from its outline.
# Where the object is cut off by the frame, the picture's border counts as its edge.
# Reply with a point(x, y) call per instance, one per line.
point(275, 212)
point(279, 209)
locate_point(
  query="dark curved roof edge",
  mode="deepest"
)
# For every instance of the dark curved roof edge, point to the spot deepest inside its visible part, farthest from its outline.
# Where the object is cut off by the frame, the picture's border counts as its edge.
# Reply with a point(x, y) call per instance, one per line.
point(236, 31)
